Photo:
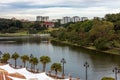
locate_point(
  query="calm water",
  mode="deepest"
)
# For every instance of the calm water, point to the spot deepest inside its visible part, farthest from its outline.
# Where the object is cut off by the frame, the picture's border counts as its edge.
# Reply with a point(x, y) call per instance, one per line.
point(100, 64)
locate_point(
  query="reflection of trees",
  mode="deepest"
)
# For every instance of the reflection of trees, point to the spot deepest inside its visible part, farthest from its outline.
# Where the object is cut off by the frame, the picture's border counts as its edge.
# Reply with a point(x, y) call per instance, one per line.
point(73, 48)
point(98, 59)
point(24, 40)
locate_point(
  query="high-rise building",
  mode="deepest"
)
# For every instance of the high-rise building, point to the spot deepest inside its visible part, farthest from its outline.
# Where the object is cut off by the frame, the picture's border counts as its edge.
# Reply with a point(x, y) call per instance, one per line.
point(75, 19)
point(65, 20)
point(42, 18)
point(84, 18)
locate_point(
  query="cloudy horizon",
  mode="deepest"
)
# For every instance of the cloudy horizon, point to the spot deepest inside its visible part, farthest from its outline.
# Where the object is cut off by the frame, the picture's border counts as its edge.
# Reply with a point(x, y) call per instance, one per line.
point(29, 9)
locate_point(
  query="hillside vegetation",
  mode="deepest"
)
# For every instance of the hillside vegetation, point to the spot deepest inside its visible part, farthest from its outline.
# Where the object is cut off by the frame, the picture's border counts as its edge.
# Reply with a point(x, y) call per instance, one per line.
point(101, 34)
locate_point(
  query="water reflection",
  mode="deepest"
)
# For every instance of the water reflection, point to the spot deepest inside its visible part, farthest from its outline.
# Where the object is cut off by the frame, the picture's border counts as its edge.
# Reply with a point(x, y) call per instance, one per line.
point(23, 40)
point(100, 64)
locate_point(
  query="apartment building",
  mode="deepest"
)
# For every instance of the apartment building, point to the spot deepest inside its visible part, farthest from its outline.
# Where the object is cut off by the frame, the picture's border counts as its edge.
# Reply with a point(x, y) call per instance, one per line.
point(84, 18)
point(75, 19)
point(65, 20)
point(42, 18)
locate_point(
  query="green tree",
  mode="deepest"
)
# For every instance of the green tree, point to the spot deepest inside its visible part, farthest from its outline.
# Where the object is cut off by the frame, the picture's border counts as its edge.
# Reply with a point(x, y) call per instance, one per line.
point(5, 57)
point(15, 56)
point(56, 67)
point(34, 61)
point(100, 29)
point(44, 60)
point(24, 59)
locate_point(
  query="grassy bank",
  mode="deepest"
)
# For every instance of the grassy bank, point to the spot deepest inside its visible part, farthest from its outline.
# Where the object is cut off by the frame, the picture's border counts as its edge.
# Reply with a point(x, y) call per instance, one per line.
point(12, 34)
point(113, 51)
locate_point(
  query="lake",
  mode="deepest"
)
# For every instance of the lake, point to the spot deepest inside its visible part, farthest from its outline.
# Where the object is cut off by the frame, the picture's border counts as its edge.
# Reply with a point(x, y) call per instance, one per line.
point(100, 64)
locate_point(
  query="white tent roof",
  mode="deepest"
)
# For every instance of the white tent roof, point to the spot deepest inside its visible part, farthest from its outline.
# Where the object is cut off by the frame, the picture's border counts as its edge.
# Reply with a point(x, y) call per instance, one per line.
point(27, 74)
point(15, 78)
point(8, 68)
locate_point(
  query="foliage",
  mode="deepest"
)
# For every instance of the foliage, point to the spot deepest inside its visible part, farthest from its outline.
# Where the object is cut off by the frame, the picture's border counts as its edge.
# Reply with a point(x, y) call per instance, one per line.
point(34, 61)
point(15, 56)
point(104, 34)
point(44, 60)
point(14, 26)
point(5, 57)
point(7, 25)
point(24, 59)
point(56, 67)
point(107, 78)
point(101, 44)
point(115, 18)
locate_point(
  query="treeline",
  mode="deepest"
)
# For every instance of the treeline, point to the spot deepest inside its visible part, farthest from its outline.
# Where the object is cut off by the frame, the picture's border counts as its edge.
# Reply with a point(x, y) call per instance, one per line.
point(33, 61)
point(13, 26)
point(103, 34)
point(7, 25)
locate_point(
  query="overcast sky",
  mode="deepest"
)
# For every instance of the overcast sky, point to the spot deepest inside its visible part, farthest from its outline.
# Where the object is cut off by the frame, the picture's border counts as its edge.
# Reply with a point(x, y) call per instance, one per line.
point(29, 9)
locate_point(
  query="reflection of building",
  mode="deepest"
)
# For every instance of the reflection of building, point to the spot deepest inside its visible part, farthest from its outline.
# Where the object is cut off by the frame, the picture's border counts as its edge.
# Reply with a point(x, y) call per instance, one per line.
point(65, 20)
point(42, 18)
point(84, 18)
point(75, 19)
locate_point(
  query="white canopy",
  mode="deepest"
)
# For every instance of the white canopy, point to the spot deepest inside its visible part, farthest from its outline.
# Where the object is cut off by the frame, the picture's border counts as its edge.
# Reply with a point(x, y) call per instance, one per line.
point(27, 74)
point(8, 68)
point(15, 78)
point(36, 76)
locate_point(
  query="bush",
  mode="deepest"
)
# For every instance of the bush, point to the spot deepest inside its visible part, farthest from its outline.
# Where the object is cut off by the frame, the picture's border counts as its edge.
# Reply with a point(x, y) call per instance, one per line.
point(107, 78)
point(100, 44)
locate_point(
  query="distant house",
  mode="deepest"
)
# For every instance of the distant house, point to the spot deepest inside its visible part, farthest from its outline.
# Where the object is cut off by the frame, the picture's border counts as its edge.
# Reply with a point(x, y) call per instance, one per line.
point(49, 24)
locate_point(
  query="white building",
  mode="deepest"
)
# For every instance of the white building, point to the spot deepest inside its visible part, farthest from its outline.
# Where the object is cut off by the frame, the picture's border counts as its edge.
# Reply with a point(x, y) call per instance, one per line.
point(65, 20)
point(84, 18)
point(75, 19)
point(42, 18)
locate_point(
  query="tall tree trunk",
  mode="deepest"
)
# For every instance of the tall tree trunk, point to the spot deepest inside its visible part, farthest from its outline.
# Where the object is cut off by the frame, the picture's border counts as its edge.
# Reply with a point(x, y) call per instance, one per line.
point(31, 66)
point(15, 62)
point(24, 64)
point(34, 67)
point(44, 66)
point(56, 74)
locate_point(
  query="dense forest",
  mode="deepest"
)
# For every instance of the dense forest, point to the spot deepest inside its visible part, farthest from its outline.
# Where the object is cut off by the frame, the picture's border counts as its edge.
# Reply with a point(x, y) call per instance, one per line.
point(14, 26)
point(102, 34)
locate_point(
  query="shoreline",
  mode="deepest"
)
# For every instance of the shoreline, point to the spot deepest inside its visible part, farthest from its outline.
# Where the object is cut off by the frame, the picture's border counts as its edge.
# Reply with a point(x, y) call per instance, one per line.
point(92, 48)
point(12, 34)
point(110, 51)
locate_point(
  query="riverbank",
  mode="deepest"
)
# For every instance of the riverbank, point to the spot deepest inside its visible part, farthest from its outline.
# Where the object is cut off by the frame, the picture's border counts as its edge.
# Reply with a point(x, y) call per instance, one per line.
point(12, 34)
point(113, 51)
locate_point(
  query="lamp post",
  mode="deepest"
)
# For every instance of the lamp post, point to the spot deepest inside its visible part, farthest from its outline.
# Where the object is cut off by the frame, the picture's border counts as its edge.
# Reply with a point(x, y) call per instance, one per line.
point(116, 70)
point(63, 61)
point(0, 55)
point(86, 65)
point(31, 56)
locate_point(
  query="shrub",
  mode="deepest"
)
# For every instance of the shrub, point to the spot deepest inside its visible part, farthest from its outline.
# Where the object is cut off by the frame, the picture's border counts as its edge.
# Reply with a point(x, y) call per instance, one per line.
point(107, 78)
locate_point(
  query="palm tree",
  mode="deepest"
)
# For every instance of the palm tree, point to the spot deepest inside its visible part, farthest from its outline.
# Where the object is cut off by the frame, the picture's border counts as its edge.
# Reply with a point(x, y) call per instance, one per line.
point(44, 60)
point(24, 59)
point(34, 61)
point(5, 57)
point(56, 67)
point(15, 56)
